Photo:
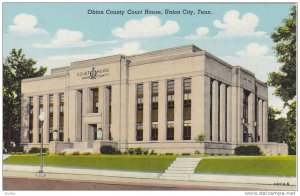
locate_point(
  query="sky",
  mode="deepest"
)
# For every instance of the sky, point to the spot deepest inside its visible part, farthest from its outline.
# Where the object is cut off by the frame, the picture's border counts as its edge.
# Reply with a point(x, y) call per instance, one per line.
point(56, 34)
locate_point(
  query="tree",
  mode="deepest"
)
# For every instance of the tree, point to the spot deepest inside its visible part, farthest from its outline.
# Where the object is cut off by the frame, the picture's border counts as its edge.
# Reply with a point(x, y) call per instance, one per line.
point(16, 67)
point(284, 80)
point(277, 127)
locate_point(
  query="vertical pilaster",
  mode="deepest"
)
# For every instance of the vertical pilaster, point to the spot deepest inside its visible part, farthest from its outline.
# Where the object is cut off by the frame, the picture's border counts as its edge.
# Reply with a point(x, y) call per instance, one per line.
point(132, 113)
point(205, 106)
point(35, 119)
point(147, 111)
point(229, 114)
point(178, 109)
point(115, 109)
point(25, 119)
point(222, 112)
point(66, 117)
point(215, 118)
point(260, 120)
point(104, 110)
point(85, 110)
point(162, 110)
point(196, 107)
point(46, 121)
point(265, 121)
point(251, 115)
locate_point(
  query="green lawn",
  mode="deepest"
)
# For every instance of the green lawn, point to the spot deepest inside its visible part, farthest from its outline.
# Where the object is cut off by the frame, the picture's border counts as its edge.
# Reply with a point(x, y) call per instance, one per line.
point(261, 165)
point(118, 162)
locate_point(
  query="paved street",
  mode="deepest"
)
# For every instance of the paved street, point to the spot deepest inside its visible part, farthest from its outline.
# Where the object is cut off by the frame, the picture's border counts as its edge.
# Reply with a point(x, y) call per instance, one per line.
point(14, 183)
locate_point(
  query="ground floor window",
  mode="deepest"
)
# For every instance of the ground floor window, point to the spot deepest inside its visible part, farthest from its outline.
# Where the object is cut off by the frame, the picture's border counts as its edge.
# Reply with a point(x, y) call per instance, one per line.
point(154, 131)
point(170, 131)
point(187, 131)
point(139, 132)
point(30, 136)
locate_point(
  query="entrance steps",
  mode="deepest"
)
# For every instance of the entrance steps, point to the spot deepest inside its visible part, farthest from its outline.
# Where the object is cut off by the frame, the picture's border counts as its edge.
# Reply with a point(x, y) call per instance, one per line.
point(181, 168)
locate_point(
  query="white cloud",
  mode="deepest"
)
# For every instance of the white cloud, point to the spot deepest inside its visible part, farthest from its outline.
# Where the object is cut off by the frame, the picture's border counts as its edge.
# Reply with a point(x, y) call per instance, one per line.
point(234, 25)
point(25, 24)
point(253, 49)
point(201, 32)
point(127, 49)
point(150, 26)
point(65, 38)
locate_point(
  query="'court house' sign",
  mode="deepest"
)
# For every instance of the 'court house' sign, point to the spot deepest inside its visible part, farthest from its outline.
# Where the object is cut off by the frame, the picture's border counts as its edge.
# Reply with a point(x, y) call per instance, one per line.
point(93, 74)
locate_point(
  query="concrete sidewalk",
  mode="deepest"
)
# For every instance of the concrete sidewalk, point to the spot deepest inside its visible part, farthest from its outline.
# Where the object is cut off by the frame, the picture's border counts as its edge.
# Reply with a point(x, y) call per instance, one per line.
point(96, 175)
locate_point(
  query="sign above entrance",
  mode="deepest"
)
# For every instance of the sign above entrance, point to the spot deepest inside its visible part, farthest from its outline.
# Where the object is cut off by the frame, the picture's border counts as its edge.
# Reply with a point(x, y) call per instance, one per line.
point(93, 74)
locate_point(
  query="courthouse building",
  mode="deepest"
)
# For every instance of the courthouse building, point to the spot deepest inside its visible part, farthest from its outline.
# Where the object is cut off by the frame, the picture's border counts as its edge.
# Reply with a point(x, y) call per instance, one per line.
point(160, 100)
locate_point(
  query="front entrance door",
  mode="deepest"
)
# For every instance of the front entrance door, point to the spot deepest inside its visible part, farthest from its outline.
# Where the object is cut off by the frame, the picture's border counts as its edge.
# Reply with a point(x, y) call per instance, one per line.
point(92, 134)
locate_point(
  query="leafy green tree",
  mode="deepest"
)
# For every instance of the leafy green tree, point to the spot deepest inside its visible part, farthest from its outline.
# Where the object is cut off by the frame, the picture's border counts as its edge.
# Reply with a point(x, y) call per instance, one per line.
point(284, 80)
point(16, 67)
point(277, 126)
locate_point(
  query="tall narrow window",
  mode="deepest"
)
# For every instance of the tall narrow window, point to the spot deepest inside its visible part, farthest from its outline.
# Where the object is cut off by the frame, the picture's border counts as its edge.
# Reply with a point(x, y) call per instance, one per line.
point(245, 116)
point(170, 110)
point(61, 117)
point(187, 108)
point(170, 131)
point(40, 122)
point(139, 112)
point(226, 139)
point(95, 94)
point(30, 135)
point(109, 111)
point(154, 111)
point(50, 117)
point(210, 108)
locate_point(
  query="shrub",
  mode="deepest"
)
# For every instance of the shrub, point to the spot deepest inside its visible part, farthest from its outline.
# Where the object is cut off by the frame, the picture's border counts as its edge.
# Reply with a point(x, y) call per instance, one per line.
point(86, 153)
point(152, 152)
point(169, 153)
point(131, 151)
point(61, 153)
point(35, 150)
point(18, 149)
point(186, 154)
point(107, 149)
point(247, 150)
point(200, 138)
point(138, 151)
point(145, 151)
point(76, 153)
point(197, 152)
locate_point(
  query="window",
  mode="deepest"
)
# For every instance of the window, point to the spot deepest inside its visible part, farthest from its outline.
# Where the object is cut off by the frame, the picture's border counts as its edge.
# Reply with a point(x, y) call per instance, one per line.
point(245, 116)
point(154, 131)
point(50, 117)
point(139, 132)
point(40, 123)
point(170, 100)
point(187, 99)
point(210, 108)
point(187, 131)
point(139, 112)
point(95, 94)
point(109, 111)
point(30, 135)
point(170, 131)
point(61, 117)
point(219, 112)
point(154, 102)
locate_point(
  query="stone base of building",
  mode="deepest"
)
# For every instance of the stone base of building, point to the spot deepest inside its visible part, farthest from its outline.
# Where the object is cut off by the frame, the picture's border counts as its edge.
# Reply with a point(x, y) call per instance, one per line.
point(207, 147)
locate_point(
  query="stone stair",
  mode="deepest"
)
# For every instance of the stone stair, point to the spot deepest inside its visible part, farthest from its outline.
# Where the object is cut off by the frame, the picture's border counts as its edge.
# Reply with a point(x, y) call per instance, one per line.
point(181, 168)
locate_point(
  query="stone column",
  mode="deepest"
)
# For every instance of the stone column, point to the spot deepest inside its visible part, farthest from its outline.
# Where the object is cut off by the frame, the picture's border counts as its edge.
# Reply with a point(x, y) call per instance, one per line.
point(265, 121)
point(222, 112)
point(132, 113)
point(66, 116)
point(75, 115)
point(104, 110)
point(229, 114)
point(25, 119)
point(251, 115)
point(46, 121)
point(56, 111)
point(35, 119)
point(178, 109)
point(162, 110)
point(85, 110)
point(147, 111)
point(204, 101)
point(260, 120)
point(115, 109)
point(215, 119)
point(196, 96)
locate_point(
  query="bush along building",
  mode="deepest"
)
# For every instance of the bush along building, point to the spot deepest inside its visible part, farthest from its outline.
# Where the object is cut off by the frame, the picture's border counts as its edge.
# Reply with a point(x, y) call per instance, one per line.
point(160, 100)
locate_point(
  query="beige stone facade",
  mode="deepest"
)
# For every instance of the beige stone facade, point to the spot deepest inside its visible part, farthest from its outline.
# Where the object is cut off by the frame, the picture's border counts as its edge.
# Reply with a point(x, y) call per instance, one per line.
point(159, 100)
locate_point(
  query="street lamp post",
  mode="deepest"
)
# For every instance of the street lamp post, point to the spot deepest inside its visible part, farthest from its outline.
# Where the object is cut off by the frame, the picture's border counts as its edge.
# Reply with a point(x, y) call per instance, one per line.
point(42, 118)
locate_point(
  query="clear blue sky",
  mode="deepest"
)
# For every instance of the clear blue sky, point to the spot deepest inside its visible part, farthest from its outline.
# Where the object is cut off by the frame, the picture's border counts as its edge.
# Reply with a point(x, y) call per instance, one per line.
point(56, 34)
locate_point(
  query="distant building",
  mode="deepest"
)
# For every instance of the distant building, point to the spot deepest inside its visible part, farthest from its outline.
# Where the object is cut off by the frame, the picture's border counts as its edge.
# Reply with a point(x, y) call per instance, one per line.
point(159, 100)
